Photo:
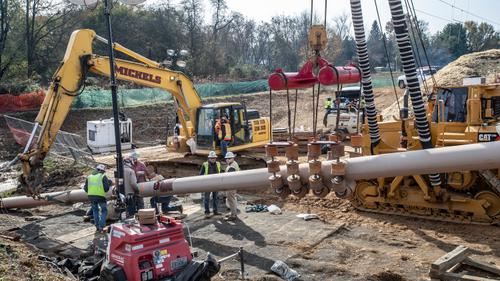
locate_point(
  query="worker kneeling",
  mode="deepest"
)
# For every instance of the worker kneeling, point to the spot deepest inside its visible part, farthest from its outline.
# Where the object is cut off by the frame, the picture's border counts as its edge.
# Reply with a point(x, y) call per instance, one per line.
point(231, 202)
point(96, 187)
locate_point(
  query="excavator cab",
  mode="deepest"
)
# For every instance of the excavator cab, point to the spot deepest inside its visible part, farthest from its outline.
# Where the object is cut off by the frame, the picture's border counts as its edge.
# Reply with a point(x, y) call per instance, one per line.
point(450, 105)
point(244, 131)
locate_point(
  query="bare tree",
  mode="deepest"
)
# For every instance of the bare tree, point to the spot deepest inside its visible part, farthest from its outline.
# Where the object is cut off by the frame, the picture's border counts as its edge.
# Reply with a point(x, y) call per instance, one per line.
point(9, 52)
point(4, 32)
point(220, 20)
point(43, 18)
point(193, 19)
point(341, 25)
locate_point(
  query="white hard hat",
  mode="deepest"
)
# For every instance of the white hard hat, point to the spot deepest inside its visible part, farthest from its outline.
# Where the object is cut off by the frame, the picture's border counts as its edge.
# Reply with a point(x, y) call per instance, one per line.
point(100, 167)
point(127, 161)
point(134, 155)
point(230, 155)
point(212, 154)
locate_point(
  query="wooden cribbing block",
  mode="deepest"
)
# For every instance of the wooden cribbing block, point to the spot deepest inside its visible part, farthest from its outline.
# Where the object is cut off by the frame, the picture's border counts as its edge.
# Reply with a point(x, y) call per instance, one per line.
point(449, 276)
point(483, 266)
point(445, 262)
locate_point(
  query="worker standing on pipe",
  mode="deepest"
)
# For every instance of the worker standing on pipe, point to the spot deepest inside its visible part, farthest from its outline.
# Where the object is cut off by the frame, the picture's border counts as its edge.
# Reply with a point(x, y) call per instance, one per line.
point(231, 202)
point(131, 186)
point(212, 166)
point(96, 187)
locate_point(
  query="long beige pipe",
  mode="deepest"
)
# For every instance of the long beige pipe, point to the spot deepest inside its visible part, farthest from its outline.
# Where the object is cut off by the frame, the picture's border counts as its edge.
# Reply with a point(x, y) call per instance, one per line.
point(456, 158)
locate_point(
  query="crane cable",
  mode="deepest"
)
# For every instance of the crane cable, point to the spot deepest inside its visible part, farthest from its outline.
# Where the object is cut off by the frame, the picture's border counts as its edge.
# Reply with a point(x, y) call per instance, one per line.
point(424, 49)
point(387, 56)
point(317, 110)
point(419, 31)
point(270, 115)
point(315, 97)
point(289, 114)
point(295, 112)
point(414, 42)
point(313, 110)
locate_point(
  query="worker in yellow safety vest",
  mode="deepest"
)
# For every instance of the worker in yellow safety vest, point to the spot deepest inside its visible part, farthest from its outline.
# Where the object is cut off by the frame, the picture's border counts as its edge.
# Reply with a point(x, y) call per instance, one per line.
point(96, 187)
point(328, 104)
point(212, 166)
point(225, 135)
point(362, 103)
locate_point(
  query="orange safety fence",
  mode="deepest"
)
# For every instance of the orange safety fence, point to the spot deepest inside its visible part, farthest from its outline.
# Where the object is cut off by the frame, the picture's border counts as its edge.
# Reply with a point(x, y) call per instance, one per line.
point(23, 102)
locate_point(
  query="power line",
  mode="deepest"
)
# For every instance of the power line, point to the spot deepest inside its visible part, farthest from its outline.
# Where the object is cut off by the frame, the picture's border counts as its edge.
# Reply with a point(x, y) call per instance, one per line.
point(467, 12)
point(438, 17)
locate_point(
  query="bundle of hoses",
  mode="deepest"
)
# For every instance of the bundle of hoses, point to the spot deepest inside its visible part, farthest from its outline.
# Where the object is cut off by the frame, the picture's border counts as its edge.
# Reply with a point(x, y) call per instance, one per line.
point(364, 64)
point(409, 68)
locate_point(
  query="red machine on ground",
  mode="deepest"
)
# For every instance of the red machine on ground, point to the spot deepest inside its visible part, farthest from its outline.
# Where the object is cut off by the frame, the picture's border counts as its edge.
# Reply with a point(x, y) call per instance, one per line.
point(157, 251)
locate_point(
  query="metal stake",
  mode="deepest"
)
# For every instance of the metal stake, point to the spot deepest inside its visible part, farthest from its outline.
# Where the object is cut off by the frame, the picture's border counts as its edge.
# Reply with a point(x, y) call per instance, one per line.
point(114, 98)
point(240, 252)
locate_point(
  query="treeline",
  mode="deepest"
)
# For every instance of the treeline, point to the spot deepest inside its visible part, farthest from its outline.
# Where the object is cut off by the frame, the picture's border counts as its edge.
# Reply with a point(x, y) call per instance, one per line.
point(34, 34)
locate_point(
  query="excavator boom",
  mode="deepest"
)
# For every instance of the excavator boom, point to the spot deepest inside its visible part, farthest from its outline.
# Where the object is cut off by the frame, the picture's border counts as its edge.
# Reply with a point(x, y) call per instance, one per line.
point(67, 83)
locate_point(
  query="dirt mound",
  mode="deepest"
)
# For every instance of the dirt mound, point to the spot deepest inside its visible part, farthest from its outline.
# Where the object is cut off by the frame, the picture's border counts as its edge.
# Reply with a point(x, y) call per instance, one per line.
point(8, 146)
point(19, 262)
point(485, 64)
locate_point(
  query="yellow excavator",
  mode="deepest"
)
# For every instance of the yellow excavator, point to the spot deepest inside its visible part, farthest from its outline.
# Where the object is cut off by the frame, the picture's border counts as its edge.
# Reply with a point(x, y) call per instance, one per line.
point(457, 116)
point(197, 120)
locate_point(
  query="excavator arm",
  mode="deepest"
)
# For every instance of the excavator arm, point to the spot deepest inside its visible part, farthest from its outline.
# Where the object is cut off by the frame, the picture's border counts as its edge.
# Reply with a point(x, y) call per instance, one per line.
point(68, 81)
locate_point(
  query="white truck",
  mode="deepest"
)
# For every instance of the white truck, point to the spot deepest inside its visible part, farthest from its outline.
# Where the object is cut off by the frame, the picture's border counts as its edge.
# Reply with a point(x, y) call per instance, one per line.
point(348, 120)
point(423, 73)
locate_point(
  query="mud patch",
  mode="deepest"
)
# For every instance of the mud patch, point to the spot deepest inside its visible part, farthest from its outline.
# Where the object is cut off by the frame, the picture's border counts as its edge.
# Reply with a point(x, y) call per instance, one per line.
point(266, 278)
point(67, 176)
point(386, 276)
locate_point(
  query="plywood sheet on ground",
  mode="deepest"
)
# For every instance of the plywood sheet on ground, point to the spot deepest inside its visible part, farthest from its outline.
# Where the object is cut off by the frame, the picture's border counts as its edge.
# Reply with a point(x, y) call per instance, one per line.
point(265, 238)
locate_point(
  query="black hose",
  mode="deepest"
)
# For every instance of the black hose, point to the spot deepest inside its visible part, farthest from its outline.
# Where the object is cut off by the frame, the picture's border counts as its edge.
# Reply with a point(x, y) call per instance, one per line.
point(364, 63)
point(409, 68)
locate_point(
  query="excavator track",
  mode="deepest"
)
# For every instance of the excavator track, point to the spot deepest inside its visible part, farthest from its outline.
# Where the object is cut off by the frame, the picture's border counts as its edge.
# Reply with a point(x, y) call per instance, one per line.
point(483, 208)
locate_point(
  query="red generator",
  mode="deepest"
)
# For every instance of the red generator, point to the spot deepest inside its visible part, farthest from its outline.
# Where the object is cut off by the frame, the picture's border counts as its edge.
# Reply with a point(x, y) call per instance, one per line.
point(146, 252)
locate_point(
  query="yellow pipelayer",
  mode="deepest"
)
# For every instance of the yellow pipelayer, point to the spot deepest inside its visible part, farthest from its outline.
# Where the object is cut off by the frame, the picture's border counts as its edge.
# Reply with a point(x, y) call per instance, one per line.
point(457, 115)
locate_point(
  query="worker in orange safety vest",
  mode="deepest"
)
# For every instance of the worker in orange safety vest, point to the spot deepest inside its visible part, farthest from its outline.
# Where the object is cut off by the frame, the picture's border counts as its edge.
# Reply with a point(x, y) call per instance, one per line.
point(225, 135)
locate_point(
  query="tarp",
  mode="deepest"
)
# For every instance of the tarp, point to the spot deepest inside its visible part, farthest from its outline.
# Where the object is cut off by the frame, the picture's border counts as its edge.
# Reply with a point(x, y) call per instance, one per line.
point(24, 102)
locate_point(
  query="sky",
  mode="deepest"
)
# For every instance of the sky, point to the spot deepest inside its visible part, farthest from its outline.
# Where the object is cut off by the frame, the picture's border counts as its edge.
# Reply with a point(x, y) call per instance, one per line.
point(437, 13)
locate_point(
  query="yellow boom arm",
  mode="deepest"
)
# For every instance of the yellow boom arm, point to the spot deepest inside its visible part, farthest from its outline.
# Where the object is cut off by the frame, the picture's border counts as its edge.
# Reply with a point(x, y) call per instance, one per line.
point(68, 80)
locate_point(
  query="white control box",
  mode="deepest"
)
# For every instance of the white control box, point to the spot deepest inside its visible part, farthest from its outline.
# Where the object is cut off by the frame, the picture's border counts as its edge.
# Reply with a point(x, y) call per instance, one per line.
point(101, 135)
